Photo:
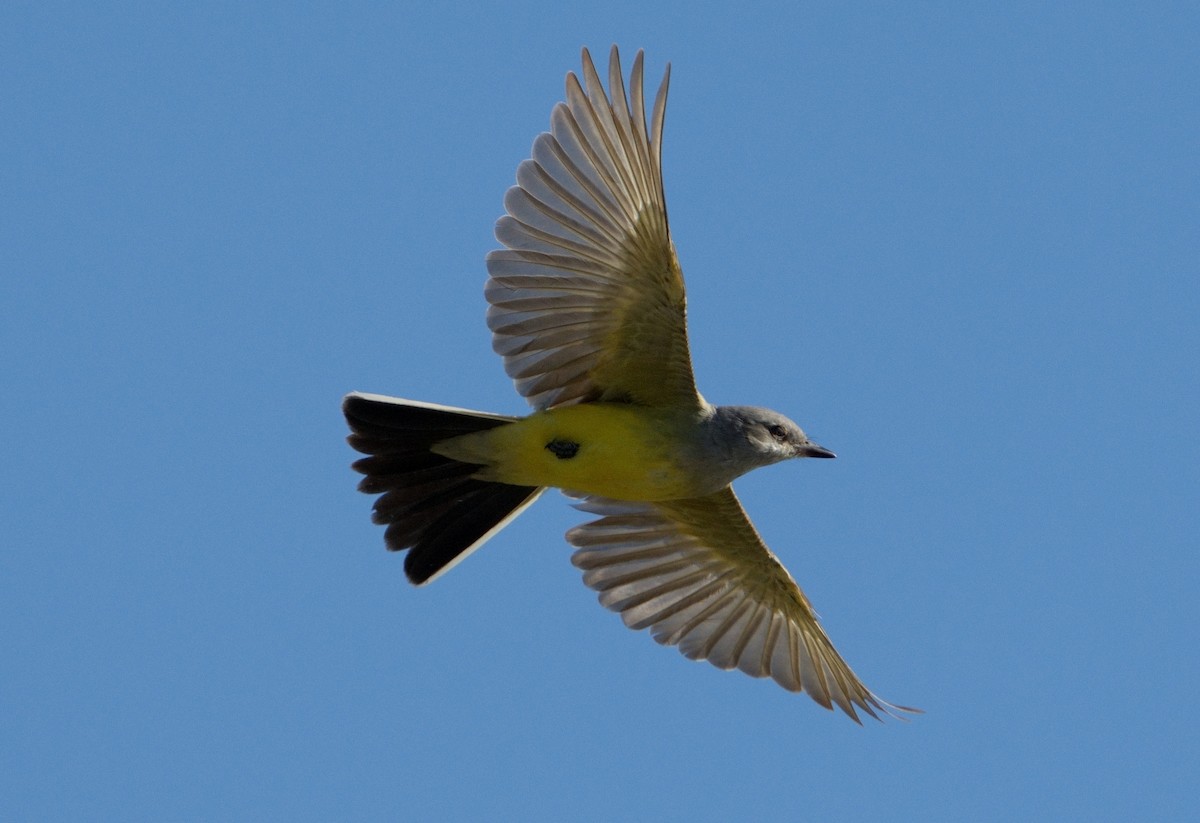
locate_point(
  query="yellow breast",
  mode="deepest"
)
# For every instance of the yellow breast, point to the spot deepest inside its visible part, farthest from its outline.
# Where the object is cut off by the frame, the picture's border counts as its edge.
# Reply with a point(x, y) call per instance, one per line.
point(619, 451)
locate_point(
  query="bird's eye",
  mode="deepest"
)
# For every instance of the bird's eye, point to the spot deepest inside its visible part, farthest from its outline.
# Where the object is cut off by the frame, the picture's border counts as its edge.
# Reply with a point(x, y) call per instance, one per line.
point(778, 432)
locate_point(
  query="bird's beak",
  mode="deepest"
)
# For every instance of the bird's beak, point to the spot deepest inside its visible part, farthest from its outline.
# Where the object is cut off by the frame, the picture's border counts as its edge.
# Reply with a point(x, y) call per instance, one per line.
point(813, 450)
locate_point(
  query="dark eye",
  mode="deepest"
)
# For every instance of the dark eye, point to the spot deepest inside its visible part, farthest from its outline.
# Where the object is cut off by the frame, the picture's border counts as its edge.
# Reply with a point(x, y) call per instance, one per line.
point(778, 432)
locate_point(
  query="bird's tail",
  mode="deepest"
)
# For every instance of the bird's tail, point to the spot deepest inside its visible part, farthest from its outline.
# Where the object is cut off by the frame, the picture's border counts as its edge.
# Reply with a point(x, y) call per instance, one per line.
point(431, 504)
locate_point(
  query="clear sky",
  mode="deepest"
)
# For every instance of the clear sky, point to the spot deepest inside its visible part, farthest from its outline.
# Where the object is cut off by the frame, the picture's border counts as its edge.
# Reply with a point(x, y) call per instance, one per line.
point(958, 242)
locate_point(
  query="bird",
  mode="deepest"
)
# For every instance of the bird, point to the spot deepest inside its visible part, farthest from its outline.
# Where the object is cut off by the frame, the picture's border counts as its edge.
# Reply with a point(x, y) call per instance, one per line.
point(587, 308)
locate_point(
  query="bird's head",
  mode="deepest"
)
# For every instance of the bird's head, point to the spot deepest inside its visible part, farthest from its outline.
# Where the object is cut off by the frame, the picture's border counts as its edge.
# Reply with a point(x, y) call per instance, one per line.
point(759, 437)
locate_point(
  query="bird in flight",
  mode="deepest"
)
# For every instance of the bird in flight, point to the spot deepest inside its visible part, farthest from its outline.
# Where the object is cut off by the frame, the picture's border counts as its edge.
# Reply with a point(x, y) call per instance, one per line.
point(587, 309)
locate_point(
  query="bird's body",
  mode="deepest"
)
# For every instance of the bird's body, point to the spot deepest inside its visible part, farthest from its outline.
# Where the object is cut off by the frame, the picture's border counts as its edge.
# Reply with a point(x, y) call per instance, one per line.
point(619, 451)
point(607, 449)
point(587, 309)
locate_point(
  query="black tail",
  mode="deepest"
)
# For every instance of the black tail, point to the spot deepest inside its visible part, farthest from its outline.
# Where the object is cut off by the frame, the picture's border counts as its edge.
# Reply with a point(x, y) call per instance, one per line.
point(430, 504)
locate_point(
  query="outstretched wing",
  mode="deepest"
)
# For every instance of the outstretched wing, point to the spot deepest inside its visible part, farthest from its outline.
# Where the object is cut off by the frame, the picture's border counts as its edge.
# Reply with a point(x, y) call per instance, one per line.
point(587, 300)
point(697, 574)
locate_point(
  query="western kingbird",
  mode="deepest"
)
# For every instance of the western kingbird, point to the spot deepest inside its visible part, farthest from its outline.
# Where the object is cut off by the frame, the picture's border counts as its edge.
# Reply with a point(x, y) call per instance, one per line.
point(587, 310)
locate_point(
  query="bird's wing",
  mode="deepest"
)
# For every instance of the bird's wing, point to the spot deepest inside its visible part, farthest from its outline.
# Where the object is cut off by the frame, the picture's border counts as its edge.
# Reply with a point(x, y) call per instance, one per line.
point(587, 300)
point(697, 574)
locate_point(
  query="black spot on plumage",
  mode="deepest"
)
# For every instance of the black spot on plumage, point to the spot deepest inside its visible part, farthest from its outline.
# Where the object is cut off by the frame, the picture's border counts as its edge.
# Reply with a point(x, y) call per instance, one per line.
point(563, 449)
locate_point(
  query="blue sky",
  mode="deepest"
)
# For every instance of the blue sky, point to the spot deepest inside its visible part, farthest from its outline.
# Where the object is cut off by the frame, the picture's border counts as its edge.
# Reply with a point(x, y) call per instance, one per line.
point(958, 243)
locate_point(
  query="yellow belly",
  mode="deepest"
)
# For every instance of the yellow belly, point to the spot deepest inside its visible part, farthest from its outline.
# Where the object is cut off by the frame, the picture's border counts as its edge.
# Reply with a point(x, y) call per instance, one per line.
point(623, 452)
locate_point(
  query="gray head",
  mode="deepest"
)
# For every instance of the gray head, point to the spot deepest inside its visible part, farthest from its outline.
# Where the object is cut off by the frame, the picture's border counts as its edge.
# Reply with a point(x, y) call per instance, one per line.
point(749, 437)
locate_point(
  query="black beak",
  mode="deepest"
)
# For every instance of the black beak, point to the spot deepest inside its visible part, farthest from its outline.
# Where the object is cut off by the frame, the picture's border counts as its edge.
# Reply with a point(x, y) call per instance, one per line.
point(813, 450)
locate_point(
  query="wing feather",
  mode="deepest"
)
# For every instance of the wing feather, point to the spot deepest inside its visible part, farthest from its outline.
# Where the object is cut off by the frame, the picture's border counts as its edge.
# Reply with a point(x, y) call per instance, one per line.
point(696, 573)
point(587, 246)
